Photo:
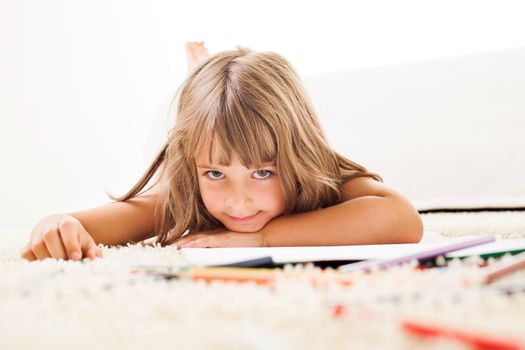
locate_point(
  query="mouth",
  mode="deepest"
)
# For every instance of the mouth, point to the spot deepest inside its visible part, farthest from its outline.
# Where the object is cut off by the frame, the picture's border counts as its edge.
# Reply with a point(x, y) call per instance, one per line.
point(244, 219)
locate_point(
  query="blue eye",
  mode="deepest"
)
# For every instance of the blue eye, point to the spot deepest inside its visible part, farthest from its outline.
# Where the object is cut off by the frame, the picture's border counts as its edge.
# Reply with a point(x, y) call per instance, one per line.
point(215, 173)
point(259, 174)
point(268, 172)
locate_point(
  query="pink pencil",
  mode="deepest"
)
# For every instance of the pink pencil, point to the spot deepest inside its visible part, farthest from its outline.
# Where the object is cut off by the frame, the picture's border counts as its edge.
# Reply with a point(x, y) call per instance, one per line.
point(514, 265)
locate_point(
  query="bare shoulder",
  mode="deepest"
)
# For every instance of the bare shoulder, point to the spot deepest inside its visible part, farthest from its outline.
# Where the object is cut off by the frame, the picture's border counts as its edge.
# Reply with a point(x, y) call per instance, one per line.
point(400, 207)
point(365, 186)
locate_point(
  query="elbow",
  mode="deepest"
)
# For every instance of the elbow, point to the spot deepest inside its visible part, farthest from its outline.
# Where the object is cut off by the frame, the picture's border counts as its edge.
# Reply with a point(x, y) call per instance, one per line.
point(409, 224)
point(413, 232)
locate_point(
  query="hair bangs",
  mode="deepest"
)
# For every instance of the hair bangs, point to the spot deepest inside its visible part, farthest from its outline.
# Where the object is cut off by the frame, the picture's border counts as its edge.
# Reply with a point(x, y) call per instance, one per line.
point(238, 128)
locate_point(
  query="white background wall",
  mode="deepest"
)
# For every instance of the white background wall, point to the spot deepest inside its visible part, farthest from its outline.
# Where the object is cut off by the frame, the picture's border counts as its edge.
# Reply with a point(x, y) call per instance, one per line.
point(85, 85)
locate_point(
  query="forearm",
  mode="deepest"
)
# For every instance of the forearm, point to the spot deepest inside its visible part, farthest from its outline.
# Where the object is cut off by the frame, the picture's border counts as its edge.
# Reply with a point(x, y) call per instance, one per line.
point(363, 220)
point(120, 222)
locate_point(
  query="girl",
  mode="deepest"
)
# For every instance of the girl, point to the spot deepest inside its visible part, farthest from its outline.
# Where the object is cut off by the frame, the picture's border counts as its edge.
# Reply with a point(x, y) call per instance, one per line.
point(246, 164)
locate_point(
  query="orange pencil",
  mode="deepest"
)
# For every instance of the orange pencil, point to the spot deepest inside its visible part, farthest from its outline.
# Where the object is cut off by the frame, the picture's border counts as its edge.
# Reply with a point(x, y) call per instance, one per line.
point(257, 275)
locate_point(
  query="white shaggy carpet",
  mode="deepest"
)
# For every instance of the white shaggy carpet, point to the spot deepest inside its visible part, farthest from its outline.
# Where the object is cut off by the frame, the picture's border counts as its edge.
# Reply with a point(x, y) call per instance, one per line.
point(85, 305)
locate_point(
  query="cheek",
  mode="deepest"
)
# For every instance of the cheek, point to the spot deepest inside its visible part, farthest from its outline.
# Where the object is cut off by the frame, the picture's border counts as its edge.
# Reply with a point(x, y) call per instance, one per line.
point(274, 198)
point(280, 194)
point(209, 197)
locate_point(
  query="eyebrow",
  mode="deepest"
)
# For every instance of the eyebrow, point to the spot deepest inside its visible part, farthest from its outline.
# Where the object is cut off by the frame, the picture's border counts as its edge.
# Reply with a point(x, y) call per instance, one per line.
point(208, 166)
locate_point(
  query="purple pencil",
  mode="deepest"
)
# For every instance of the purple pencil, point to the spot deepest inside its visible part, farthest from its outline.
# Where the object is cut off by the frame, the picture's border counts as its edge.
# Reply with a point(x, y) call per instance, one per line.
point(368, 265)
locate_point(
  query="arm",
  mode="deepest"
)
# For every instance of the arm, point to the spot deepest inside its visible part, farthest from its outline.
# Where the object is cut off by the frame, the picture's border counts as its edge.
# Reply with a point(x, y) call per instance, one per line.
point(121, 222)
point(370, 213)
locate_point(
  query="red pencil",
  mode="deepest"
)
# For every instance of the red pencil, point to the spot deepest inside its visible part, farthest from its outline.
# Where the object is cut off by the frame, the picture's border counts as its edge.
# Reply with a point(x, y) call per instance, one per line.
point(477, 341)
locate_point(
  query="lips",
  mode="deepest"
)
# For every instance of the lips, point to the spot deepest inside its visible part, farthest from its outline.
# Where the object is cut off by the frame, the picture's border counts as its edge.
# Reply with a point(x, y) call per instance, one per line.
point(243, 219)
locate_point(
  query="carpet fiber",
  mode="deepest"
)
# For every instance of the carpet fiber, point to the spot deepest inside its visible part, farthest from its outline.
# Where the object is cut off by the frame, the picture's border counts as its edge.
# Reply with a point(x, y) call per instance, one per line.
point(60, 304)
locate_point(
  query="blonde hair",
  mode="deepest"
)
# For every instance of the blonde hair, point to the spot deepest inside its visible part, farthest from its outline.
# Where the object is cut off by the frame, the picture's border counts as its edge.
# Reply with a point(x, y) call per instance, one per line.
point(252, 103)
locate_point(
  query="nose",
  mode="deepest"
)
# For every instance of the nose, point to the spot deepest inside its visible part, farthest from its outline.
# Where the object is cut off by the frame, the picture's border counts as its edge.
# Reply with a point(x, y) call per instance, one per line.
point(237, 200)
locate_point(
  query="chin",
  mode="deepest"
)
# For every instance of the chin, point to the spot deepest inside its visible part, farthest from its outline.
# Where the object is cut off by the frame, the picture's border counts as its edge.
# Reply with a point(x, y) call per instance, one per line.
point(243, 229)
point(247, 228)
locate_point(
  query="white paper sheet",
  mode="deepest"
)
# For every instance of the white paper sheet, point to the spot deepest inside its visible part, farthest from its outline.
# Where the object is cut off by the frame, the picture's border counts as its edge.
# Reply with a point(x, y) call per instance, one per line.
point(282, 255)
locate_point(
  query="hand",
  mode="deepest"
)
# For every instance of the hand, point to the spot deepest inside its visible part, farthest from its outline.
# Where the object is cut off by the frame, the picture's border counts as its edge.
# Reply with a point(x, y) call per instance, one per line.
point(220, 239)
point(60, 236)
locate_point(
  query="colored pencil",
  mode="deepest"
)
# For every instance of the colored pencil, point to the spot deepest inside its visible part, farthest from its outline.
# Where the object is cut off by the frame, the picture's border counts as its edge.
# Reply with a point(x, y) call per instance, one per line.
point(257, 275)
point(517, 263)
point(368, 265)
point(475, 340)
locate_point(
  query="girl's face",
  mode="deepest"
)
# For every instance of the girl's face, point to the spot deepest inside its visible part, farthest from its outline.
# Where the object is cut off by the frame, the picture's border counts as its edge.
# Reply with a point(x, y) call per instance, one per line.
point(243, 199)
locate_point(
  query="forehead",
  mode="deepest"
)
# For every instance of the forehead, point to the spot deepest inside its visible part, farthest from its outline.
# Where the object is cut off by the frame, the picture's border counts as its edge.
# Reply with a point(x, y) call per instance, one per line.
point(206, 152)
point(213, 155)
point(202, 159)
point(208, 155)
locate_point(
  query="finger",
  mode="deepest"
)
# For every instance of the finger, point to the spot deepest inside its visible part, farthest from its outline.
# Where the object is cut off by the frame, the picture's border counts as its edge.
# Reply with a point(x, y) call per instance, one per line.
point(183, 240)
point(94, 252)
point(178, 244)
point(211, 239)
point(201, 242)
point(88, 246)
point(191, 244)
point(27, 253)
point(184, 243)
point(68, 230)
point(187, 240)
point(39, 250)
point(99, 253)
point(54, 244)
point(91, 254)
